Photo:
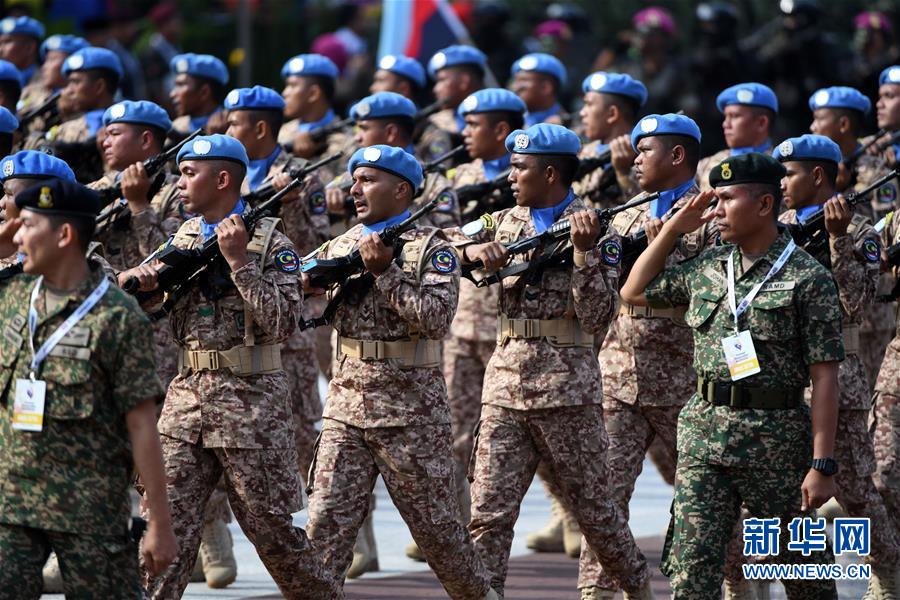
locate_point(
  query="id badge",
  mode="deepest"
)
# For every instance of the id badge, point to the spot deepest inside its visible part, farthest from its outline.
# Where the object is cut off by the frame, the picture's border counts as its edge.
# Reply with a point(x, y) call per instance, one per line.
point(740, 355)
point(28, 409)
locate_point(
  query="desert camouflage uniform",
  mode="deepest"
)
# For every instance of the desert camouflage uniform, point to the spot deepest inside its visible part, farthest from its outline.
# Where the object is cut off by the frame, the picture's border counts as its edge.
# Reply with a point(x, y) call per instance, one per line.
point(389, 416)
point(647, 376)
point(732, 456)
point(182, 125)
point(603, 188)
point(445, 120)
point(433, 142)
point(541, 404)
point(33, 95)
point(215, 421)
point(338, 141)
point(66, 488)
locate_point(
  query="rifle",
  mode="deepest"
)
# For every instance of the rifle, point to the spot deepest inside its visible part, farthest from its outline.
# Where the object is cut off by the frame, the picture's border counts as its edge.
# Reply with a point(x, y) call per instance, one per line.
point(320, 133)
point(857, 154)
point(265, 191)
point(50, 106)
point(10, 271)
point(478, 193)
point(554, 238)
point(424, 113)
point(589, 165)
point(811, 235)
point(184, 267)
point(152, 166)
point(895, 138)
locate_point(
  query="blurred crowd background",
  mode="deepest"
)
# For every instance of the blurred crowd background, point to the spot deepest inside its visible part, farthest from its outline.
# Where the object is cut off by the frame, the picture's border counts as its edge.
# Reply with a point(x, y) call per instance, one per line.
point(685, 52)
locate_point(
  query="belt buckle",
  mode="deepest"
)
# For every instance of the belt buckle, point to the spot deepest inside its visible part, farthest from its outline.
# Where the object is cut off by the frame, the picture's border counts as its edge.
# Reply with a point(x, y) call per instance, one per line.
point(213, 358)
point(370, 347)
point(530, 329)
point(721, 394)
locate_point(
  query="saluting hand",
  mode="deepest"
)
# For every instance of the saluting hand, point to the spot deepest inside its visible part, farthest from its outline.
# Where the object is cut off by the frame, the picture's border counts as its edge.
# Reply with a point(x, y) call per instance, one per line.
point(375, 255)
point(233, 239)
point(585, 228)
point(693, 214)
point(837, 216)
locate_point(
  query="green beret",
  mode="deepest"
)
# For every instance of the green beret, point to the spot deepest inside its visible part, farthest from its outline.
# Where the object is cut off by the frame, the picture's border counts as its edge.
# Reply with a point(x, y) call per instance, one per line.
point(752, 167)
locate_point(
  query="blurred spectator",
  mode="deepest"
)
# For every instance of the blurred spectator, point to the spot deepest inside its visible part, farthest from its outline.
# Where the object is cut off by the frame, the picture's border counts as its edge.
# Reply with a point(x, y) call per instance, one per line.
point(874, 49)
point(122, 34)
point(489, 29)
point(348, 49)
point(162, 47)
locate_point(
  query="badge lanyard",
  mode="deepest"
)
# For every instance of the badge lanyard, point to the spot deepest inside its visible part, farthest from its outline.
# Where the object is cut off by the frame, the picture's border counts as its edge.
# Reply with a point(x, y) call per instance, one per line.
point(38, 357)
point(738, 310)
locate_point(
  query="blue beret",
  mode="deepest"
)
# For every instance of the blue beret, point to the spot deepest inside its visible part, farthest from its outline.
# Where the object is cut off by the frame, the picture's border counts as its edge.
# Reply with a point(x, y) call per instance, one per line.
point(8, 121)
point(668, 124)
point(541, 63)
point(491, 100)
point(452, 56)
point(62, 43)
point(24, 25)
point(615, 83)
point(543, 138)
point(748, 94)
point(200, 65)
point(9, 72)
point(382, 105)
point(890, 75)
point(92, 58)
point(840, 97)
point(31, 164)
point(405, 66)
point(141, 112)
point(396, 161)
point(60, 197)
point(309, 65)
point(808, 147)
point(214, 147)
point(254, 98)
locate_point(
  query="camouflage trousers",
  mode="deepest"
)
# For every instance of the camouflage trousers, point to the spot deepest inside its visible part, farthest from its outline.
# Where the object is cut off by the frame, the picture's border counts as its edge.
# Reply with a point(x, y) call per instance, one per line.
point(263, 490)
point(631, 428)
point(707, 503)
point(886, 439)
point(572, 442)
point(464, 364)
point(872, 346)
point(416, 465)
point(306, 407)
point(92, 566)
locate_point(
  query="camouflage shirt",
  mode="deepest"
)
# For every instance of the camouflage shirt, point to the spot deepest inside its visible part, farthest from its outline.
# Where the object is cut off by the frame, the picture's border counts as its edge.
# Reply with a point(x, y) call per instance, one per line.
point(339, 141)
point(74, 475)
point(867, 170)
point(433, 142)
point(889, 377)
point(795, 321)
point(603, 188)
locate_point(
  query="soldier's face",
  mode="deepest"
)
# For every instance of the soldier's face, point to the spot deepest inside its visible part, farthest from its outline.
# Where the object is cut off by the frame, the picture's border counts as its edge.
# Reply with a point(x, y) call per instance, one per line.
point(741, 126)
point(242, 128)
point(739, 213)
point(51, 73)
point(653, 163)
point(385, 81)
point(123, 145)
point(528, 176)
point(11, 187)
point(378, 195)
point(888, 107)
point(826, 122)
point(593, 116)
point(185, 94)
point(451, 86)
point(198, 185)
point(296, 96)
point(533, 88)
point(18, 49)
point(371, 132)
point(81, 90)
point(797, 186)
point(37, 242)
point(482, 139)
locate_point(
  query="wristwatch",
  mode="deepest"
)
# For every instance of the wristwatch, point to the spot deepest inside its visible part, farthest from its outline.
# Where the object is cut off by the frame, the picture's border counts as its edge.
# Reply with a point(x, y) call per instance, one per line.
point(825, 466)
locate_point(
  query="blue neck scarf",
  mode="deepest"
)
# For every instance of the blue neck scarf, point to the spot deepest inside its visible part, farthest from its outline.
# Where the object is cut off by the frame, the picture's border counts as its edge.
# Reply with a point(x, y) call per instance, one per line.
point(207, 230)
point(543, 218)
point(601, 148)
point(807, 211)
point(748, 149)
point(259, 168)
point(200, 121)
point(666, 199)
point(539, 116)
point(380, 225)
point(307, 127)
point(94, 120)
point(492, 168)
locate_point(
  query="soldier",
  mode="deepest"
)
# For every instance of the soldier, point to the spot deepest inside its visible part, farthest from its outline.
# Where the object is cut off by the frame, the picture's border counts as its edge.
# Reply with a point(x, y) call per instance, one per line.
point(197, 93)
point(73, 430)
point(389, 329)
point(8, 126)
point(853, 255)
point(227, 411)
point(54, 50)
point(748, 114)
point(404, 75)
point(309, 95)
point(10, 85)
point(538, 79)
point(20, 40)
point(746, 437)
point(542, 384)
point(646, 356)
point(458, 72)
point(838, 114)
point(611, 105)
point(888, 115)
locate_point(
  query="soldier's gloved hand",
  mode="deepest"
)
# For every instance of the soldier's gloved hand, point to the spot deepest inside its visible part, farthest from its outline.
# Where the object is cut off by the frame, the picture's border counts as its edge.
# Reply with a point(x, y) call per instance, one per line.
point(335, 201)
point(158, 547)
point(493, 255)
point(375, 255)
point(280, 181)
point(693, 214)
point(8, 230)
point(146, 275)
point(305, 146)
point(233, 239)
point(136, 187)
point(837, 216)
point(585, 229)
point(622, 155)
point(817, 489)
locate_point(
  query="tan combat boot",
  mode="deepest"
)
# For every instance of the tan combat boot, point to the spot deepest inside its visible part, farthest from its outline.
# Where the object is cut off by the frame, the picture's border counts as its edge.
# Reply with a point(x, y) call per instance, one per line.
point(492, 595)
point(831, 510)
point(883, 585)
point(197, 575)
point(592, 592)
point(571, 535)
point(217, 553)
point(53, 583)
point(365, 552)
point(550, 538)
point(414, 552)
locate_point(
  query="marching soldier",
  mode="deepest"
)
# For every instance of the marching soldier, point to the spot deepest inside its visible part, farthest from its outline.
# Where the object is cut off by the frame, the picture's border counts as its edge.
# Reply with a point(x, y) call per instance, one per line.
point(54, 50)
point(888, 117)
point(389, 329)
point(20, 41)
point(8, 126)
point(538, 79)
point(457, 72)
point(197, 93)
point(10, 85)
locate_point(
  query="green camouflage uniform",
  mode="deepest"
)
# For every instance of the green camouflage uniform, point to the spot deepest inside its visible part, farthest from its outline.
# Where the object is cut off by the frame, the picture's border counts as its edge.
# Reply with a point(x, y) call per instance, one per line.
point(729, 456)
